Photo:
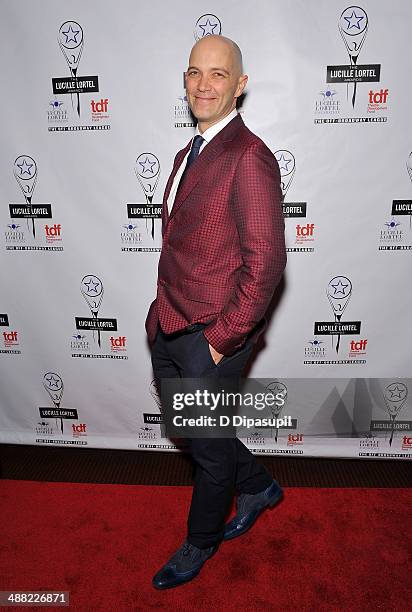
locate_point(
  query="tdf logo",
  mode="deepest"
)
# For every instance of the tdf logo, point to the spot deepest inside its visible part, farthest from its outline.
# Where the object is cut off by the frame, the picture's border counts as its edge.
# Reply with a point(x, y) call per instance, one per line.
point(118, 344)
point(378, 97)
point(10, 338)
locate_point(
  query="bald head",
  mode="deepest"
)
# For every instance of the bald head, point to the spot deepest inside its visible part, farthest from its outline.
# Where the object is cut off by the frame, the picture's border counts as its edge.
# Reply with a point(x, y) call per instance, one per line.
point(217, 43)
point(214, 79)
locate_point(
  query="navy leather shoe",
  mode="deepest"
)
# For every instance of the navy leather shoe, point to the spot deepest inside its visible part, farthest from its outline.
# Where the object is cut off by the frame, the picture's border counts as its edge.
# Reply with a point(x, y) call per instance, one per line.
point(185, 564)
point(248, 509)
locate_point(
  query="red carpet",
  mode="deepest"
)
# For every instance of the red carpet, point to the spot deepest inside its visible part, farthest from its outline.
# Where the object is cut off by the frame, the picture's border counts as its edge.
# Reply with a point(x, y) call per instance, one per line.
point(319, 550)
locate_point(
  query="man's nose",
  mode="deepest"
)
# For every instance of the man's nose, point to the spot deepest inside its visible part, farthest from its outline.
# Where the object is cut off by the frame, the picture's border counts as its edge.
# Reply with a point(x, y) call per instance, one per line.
point(203, 84)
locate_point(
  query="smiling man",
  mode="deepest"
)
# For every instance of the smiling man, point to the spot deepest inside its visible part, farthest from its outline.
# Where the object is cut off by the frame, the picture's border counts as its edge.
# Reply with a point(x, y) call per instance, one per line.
point(214, 80)
point(222, 257)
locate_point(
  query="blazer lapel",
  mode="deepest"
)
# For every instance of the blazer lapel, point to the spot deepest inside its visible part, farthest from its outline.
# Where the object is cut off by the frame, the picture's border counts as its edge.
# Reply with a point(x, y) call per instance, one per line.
point(179, 159)
point(200, 165)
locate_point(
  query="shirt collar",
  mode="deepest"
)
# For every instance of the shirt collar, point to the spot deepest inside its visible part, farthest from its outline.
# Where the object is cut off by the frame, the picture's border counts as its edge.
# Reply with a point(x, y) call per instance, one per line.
point(215, 129)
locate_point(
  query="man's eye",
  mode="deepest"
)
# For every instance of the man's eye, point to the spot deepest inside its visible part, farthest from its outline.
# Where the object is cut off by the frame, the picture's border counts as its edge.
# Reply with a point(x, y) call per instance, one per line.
point(192, 73)
point(218, 74)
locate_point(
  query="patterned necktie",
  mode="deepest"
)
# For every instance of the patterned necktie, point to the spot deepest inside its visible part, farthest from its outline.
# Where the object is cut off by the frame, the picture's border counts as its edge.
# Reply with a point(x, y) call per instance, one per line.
point(194, 152)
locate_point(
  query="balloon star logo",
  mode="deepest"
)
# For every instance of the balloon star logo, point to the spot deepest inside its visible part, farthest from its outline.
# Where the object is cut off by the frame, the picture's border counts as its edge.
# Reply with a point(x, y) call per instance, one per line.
point(71, 43)
point(154, 392)
point(276, 388)
point(395, 396)
point(339, 291)
point(207, 25)
point(353, 27)
point(25, 172)
point(287, 166)
point(92, 291)
point(147, 170)
point(53, 383)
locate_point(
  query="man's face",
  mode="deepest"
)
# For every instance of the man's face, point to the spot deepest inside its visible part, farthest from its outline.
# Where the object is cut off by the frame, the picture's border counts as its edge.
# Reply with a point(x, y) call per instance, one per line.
point(213, 81)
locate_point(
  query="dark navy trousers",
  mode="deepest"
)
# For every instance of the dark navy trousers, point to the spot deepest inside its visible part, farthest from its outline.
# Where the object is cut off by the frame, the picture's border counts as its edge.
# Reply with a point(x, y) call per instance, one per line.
point(222, 465)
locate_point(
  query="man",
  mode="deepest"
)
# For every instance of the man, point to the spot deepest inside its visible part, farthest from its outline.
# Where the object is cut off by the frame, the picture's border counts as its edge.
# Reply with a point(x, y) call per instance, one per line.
point(222, 257)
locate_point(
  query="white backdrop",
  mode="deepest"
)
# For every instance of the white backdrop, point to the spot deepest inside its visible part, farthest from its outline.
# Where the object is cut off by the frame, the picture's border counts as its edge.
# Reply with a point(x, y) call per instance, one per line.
point(90, 169)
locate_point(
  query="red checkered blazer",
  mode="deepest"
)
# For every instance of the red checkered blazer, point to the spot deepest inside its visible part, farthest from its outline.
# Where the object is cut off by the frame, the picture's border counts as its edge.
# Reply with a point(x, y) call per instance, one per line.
point(223, 247)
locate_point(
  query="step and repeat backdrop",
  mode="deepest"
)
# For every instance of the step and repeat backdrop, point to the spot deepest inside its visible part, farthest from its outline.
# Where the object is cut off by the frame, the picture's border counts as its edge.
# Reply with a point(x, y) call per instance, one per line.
point(94, 111)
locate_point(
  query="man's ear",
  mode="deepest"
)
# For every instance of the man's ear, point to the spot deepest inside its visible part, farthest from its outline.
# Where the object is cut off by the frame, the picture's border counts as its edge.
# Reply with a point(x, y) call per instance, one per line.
point(241, 85)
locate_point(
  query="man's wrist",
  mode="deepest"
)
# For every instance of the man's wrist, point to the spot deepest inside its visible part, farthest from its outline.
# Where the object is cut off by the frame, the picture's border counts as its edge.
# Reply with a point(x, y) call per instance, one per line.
point(223, 347)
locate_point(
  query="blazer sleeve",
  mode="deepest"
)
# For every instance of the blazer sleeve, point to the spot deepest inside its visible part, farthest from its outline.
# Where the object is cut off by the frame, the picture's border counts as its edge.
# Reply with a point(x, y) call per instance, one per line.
point(257, 208)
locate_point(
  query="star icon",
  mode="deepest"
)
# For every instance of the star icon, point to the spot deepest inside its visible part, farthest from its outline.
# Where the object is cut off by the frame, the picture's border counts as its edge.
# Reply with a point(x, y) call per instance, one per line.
point(342, 290)
point(277, 388)
point(352, 19)
point(208, 27)
point(53, 382)
point(283, 162)
point(147, 165)
point(25, 168)
point(71, 35)
point(91, 289)
point(396, 393)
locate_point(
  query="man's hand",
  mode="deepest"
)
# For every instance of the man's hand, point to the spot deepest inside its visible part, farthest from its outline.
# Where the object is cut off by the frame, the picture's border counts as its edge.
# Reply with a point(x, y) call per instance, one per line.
point(215, 355)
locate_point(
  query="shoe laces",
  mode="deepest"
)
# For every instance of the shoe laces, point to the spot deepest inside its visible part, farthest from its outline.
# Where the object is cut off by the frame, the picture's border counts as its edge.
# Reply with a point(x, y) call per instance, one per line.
point(194, 552)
